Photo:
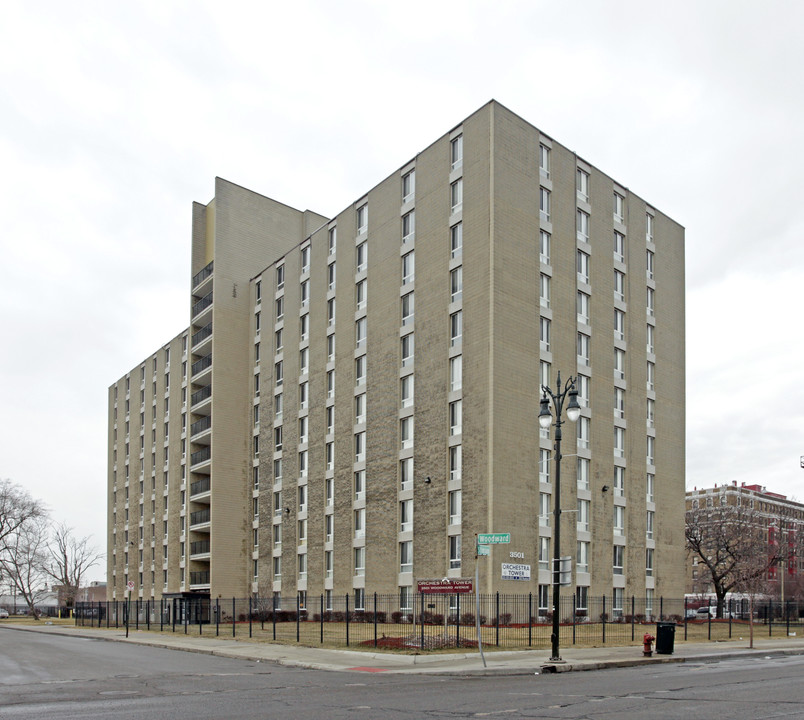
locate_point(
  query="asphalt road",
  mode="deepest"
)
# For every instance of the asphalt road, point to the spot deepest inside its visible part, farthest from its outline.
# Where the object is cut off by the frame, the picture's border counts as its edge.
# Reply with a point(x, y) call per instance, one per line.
point(66, 677)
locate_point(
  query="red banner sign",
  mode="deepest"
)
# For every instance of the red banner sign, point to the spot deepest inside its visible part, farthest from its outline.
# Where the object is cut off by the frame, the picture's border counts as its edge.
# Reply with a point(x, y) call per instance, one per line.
point(447, 586)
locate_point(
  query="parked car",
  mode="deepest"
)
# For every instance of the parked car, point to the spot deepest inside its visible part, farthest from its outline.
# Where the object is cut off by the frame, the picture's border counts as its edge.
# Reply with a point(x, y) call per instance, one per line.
point(705, 612)
point(3, 613)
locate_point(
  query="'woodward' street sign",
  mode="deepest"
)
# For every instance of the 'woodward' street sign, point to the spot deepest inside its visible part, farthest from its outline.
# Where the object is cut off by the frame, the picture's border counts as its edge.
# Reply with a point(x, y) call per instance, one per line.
point(494, 538)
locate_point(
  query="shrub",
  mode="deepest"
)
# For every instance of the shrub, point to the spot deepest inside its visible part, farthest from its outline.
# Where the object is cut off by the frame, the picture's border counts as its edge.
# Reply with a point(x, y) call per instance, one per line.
point(504, 620)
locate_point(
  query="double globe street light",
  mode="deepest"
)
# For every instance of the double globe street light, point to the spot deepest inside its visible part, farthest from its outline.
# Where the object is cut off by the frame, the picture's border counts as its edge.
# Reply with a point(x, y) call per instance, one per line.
point(546, 418)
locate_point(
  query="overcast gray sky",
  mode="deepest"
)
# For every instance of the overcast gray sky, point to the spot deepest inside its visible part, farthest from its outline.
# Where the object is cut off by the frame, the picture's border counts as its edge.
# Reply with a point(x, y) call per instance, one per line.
point(115, 117)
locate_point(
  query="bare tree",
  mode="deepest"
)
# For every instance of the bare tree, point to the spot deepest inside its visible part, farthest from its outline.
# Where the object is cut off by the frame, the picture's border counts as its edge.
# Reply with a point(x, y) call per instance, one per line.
point(732, 547)
point(17, 507)
point(23, 559)
point(69, 558)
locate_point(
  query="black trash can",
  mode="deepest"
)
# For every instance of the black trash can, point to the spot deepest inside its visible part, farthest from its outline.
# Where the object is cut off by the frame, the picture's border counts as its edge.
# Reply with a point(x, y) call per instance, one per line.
point(665, 637)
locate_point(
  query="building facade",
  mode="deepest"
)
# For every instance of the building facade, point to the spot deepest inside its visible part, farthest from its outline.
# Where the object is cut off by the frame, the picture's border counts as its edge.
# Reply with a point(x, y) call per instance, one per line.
point(357, 397)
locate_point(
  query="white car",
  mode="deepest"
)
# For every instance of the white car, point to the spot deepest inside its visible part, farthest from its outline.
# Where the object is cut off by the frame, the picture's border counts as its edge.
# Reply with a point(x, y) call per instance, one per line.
point(3, 613)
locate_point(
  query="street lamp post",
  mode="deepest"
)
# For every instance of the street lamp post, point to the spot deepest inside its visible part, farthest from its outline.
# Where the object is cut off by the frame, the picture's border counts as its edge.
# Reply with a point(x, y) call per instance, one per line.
point(545, 420)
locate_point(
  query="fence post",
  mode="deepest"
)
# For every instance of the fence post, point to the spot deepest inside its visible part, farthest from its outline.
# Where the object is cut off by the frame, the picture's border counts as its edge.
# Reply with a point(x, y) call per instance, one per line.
point(421, 618)
point(200, 612)
point(770, 619)
point(375, 619)
point(730, 614)
point(709, 622)
point(347, 619)
point(217, 617)
point(137, 618)
point(497, 620)
point(574, 616)
point(661, 607)
point(685, 618)
point(322, 618)
point(273, 616)
point(161, 614)
point(298, 615)
point(458, 620)
point(530, 619)
point(632, 618)
point(249, 616)
point(603, 618)
point(787, 613)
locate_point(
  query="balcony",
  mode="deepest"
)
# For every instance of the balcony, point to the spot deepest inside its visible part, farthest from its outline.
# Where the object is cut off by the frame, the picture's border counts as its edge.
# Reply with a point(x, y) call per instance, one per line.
point(202, 304)
point(200, 517)
point(199, 396)
point(201, 335)
point(202, 275)
point(200, 547)
point(199, 578)
point(199, 487)
point(200, 456)
point(199, 426)
point(202, 364)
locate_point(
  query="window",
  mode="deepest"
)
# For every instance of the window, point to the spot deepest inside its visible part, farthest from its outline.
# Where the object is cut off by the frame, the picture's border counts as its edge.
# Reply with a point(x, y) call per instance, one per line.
point(650, 410)
point(333, 240)
point(407, 350)
point(360, 332)
point(278, 470)
point(280, 277)
point(304, 395)
point(302, 532)
point(278, 373)
point(360, 370)
point(406, 556)
point(360, 561)
point(583, 425)
point(407, 309)
point(582, 383)
point(406, 390)
point(304, 328)
point(408, 186)
point(584, 343)
point(331, 276)
point(619, 364)
point(582, 226)
point(277, 568)
point(278, 340)
point(649, 340)
point(544, 204)
point(406, 474)
point(544, 247)
point(406, 432)
point(619, 286)
point(303, 566)
point(651, 376)
point(583, 473)
point(360, 447)
point(409, 227)
point(360, 522)
point(360, 294)
point(651, 450)
point(360, 409)
point(544, 161)
point(618, 559)
point(619, 325)
point(455, 415)
point(303, 430)
point(305, 259)
point(619, 247)
point(583, 267)
point(619, 208)
point(619, 520)
point(408, 268)
point(330, 383)
point(280, 309)
point(544, 553)
point(454, 551)
point(544, 373)
point(544, 465)
point(303, 464)
point(619, 402)
point(543, 599)
point(619, 481)
point(278, 438)
point(619, 442)
point(406, 516)
point(649, 302)
point(544, 509)
point(456, 195)
point(456, 328)
point(361, 257)
point(304, 361)
point(362, 219)
point(302, 498)
point(649, 263)
point(456, 240)
point(650, 481)
point(583, 515)
point(544, 290)
point(649, 524)
point(582, 562)
point(328, 571)
point(329, 452)
point(360, 485)
point(329, 491)
point(582, 302)
point(455, 507)
point(277, 503)
point(456, 373)
point(456, 152)
point(455, 462)
point(456, 284)
point(331, 312)
point(544, 334)
point(582, 182)
point(648, 227)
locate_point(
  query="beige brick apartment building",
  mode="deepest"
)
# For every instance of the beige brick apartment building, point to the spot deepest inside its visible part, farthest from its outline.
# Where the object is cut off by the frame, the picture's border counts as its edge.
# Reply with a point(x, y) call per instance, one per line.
point(357, 397)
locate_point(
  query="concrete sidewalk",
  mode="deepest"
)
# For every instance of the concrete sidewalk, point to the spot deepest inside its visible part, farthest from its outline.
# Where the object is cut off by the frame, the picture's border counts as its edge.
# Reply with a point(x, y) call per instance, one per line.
point(511, 662)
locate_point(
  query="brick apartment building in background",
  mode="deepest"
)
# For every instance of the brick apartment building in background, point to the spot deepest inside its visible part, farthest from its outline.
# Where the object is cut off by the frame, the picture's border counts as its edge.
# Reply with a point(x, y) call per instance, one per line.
point(356, 397)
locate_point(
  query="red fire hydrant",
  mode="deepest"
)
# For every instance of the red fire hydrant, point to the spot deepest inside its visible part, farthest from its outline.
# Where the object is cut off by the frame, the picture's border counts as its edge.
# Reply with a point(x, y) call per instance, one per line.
point(647, 640)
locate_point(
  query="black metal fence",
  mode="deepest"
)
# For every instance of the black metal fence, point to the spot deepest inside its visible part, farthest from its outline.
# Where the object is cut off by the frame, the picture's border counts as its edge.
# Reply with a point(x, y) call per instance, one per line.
point(432, 621)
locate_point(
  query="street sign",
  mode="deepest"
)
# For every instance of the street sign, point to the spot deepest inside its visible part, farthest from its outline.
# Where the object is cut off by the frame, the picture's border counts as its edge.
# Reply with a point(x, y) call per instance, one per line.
point(510, 571)
point(494, 538)
point(483, 550)
point(565, 571)
point(130, 584)
point(445, 586)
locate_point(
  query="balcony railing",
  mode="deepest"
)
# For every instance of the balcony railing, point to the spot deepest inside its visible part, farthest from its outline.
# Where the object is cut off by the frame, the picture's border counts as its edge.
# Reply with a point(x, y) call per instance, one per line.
point(202, 275)
point(200, 547)
point(200, 456)
point(202, 364)
point(199, 578)
point(201, 395)
point(201, 486)
point(205, 423)
point(202, 334)
point(199, 517)
point(200, 305)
